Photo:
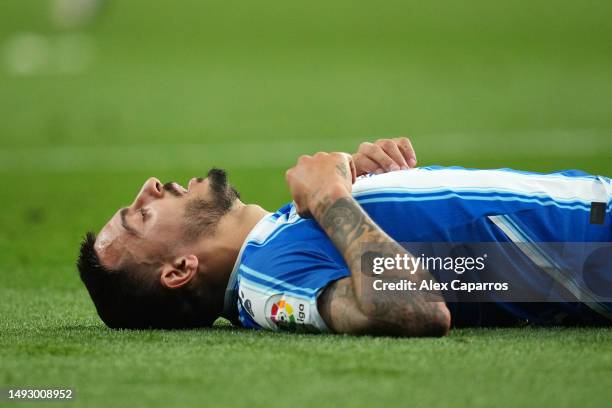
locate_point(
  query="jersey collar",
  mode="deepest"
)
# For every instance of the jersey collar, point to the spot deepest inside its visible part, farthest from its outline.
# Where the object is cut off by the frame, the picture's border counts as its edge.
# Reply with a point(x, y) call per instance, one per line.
point(261, 231)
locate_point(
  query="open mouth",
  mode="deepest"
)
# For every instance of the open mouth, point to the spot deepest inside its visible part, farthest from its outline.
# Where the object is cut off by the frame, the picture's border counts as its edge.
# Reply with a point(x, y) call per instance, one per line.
point(178, 190)
point(175, 189)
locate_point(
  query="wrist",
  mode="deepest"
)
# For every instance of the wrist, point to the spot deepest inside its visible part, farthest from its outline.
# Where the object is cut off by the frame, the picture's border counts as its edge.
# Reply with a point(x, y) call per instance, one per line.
point(326, 196)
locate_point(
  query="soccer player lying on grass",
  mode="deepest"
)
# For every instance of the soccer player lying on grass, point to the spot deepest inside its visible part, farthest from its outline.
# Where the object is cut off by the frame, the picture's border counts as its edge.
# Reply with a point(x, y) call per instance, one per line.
point(180, 258)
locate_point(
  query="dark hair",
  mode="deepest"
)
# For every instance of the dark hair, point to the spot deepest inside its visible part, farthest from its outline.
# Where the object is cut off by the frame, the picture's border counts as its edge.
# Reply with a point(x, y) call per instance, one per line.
point(128, 300)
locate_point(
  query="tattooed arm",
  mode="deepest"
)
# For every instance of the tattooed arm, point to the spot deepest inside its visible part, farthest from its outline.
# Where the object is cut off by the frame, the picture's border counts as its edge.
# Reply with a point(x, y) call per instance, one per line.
point(321, 187)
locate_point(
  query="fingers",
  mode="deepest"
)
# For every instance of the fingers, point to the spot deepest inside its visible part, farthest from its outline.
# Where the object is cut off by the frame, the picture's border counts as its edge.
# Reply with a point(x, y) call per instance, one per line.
point(299, 199)
point(350, 163)
point(375, 153)
point(385, 155)
point(366, 165)
point(404, 145)
point(353, 168)
point(391, 148)
point(318, 177)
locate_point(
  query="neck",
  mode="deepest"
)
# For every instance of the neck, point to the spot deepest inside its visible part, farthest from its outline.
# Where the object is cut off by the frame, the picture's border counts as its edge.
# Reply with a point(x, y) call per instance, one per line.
point(234, 228)
point(218, 254)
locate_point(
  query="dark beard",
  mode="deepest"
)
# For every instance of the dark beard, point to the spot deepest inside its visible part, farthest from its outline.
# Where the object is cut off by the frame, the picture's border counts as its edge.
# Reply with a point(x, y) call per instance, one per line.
point(202, 215)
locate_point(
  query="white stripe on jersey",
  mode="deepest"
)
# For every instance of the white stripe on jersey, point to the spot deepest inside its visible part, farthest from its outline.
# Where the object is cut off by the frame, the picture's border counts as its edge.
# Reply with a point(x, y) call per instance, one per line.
point(556, 186)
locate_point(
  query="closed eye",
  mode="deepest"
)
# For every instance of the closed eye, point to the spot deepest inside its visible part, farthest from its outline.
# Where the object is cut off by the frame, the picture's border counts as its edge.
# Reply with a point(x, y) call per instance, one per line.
point(143, 212)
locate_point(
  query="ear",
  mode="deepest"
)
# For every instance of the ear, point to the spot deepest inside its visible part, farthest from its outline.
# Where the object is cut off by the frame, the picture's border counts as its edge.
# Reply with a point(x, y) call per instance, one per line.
point(179, 272)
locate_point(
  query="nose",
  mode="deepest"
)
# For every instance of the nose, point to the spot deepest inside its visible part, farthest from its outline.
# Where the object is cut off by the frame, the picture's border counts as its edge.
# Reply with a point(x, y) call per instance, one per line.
point(151, 190)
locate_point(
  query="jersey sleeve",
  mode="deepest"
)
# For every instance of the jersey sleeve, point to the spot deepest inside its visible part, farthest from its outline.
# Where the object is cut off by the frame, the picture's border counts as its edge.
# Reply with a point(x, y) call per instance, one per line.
point(278, 290)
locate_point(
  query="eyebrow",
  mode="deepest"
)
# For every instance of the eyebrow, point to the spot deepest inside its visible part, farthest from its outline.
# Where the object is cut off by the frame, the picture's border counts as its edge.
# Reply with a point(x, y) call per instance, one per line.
point(122, 213)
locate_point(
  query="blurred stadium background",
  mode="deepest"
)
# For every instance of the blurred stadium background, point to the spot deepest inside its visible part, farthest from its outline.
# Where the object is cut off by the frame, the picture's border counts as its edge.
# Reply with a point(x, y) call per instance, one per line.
point(97, 95)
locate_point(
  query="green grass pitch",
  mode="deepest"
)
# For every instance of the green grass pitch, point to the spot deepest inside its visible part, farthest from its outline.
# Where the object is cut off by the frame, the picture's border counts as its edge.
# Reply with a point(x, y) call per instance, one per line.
point(173, 88)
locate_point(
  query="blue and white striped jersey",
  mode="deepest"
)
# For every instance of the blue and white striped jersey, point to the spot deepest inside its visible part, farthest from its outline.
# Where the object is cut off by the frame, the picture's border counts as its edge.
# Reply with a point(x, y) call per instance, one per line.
point(286, 261)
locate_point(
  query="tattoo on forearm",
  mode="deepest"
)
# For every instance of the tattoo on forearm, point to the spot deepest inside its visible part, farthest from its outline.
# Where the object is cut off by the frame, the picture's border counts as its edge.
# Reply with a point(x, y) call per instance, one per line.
point(349, 227)
point(346, 223)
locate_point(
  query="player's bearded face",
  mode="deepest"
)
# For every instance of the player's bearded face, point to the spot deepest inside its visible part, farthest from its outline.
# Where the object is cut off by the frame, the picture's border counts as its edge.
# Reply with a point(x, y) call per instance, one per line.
point(202, 214)
point(164, 218)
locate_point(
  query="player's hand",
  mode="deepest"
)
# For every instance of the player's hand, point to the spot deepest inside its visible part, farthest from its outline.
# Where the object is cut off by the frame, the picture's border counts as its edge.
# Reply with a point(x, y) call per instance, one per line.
point(385, 155)
point(316, 180)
